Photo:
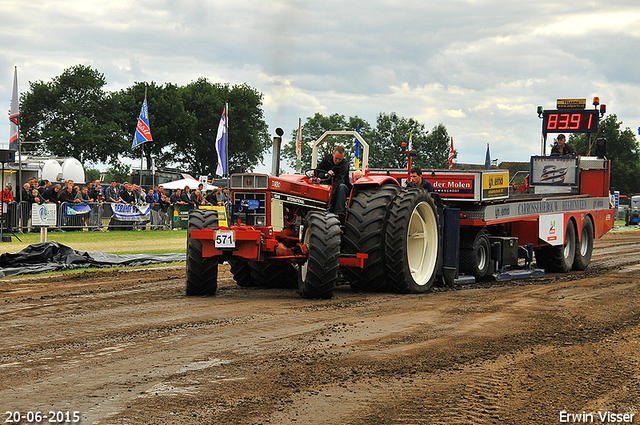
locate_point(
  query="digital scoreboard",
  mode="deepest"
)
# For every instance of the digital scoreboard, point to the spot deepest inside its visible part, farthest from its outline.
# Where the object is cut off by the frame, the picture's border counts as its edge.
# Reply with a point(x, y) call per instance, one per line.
point(570, 121)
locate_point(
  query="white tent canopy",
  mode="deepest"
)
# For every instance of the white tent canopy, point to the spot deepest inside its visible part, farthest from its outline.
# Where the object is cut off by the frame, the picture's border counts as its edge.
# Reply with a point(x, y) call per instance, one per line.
point(192, 183)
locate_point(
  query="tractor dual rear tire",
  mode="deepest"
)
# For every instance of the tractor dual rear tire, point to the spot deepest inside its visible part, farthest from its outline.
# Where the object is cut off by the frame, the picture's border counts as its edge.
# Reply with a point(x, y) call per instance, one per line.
point(364, 232)
point(241, 271)
point(413, 243)
point(202, 272)
point(274, 275)
point(318, 276)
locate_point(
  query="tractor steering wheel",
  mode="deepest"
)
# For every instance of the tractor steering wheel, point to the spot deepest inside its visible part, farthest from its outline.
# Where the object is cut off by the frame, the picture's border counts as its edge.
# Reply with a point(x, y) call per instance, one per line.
point(311, 174)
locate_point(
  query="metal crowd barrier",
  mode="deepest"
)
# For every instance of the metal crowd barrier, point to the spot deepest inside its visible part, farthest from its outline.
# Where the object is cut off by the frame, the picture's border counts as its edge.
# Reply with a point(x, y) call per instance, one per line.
point(92, 216)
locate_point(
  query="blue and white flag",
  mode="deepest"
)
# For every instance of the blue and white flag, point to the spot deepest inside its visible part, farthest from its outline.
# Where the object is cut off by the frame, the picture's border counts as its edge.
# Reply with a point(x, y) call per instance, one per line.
point(143, 133)
point(221, 145)
point(76, 209)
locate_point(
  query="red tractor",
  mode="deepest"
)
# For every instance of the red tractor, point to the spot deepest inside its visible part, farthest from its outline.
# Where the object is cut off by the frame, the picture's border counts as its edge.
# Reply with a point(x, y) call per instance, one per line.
point(283, 234)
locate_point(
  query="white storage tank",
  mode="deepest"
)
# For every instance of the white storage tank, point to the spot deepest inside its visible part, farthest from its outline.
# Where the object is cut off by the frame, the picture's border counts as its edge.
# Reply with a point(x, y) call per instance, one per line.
point(52, 170)
point(73, 170)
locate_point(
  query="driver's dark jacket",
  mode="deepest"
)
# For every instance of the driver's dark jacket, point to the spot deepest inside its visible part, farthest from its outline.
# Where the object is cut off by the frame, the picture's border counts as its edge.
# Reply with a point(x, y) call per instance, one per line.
point(340, 170)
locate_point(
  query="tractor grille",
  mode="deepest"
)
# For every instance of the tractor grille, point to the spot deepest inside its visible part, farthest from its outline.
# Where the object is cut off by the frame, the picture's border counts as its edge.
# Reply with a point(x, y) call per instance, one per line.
point(249, 181)
point(255, 217)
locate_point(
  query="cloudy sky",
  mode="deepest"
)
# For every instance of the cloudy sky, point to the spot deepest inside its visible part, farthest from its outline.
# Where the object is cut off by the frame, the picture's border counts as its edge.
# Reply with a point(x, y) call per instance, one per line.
point(480, 67)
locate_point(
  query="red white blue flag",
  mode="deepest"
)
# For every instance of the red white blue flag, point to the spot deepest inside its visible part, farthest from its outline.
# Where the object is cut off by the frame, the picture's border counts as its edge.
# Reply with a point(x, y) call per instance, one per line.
point(14, 114)
point(452, 154)
point(143, 133)
point(221, 145)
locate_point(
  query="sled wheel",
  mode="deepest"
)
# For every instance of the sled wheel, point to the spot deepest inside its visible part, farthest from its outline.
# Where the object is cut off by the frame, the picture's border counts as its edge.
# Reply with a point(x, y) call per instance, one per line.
point(476, 258)
point(584, 246)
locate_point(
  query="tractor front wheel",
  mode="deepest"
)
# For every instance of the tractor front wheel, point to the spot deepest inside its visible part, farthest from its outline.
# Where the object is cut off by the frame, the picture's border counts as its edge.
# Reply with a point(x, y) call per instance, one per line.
point(318, 276)
point(202, 272)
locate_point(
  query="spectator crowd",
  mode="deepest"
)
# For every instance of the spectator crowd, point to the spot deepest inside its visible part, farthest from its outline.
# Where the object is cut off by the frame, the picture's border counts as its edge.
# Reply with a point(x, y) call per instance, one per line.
point(161, 204)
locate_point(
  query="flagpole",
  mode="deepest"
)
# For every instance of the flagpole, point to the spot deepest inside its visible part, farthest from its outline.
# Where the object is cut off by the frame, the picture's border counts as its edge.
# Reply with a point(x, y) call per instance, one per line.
point(15, 81)
point(226, 125)
point(142, 144)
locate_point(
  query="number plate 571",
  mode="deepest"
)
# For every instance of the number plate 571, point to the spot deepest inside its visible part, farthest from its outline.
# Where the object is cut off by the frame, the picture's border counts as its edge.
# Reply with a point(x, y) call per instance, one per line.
point(225, 239)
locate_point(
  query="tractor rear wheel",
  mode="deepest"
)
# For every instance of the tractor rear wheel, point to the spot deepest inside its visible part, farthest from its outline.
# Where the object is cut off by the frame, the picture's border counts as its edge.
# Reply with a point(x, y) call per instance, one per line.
point(318, 276)
point(559, 258)
point(364, 232)
point(584, 246)
point(413, 242)
point(202, 272)
point(241, 271)
point(274, 275)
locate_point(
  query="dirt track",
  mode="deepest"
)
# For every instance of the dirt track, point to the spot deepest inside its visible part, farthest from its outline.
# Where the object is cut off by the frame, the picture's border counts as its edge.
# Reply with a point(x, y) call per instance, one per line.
point(130, 348)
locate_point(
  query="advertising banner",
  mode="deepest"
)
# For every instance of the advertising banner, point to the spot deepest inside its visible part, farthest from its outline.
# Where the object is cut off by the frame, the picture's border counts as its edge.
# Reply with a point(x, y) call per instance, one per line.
point(126, 212)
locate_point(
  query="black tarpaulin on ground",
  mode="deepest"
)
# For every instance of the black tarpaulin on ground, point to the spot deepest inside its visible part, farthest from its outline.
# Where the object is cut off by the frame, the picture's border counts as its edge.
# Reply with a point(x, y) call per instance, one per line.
point(52, 256)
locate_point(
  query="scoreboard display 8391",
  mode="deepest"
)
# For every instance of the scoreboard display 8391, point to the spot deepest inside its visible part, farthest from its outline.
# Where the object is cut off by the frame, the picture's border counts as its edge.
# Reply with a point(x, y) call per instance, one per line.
point(568, 121)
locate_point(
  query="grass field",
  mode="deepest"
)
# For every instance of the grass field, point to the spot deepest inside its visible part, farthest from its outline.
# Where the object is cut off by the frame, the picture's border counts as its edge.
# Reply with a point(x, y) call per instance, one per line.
point(114, 242)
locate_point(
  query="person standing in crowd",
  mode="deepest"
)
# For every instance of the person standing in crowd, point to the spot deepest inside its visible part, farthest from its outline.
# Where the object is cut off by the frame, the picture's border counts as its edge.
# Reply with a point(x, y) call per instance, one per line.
point(6, 197)
point(111, 193)
point(51, 194)
point(44, 185)
point(83, 195)
point(126, 194)
point(96, 193)
point(37, 198)
point(67, 195)
point(221, 197)
point(176, 198)
point(211, 196)
point(26, 192)
point(186, 196)
point(25, 206)
point(163, 212)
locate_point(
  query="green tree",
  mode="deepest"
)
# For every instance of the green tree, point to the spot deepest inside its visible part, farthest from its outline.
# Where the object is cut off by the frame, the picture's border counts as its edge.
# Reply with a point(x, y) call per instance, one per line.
point(622, 149)
point(168, 121)
point(70, 116)
point(118, 172)
point(438, 145)
point(386, 142)
point(248, 137)
point(91, 174)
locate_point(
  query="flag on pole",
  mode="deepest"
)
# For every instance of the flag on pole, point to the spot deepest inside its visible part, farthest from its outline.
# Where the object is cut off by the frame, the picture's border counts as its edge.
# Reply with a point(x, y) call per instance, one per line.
point(299, 148)
point(358, 149)
point(487, 160)
point(14, 114)
point(221, 145)
point(143, 133)
point(410, 141)
point(451, 155)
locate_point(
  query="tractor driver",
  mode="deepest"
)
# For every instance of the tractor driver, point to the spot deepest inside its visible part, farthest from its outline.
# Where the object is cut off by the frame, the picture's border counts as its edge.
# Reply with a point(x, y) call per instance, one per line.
point(334, 166)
